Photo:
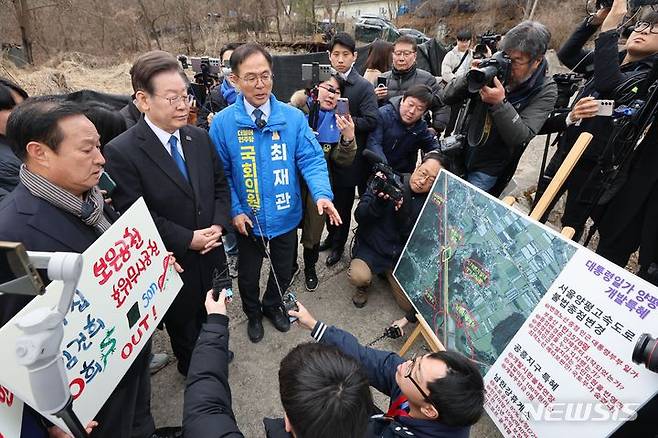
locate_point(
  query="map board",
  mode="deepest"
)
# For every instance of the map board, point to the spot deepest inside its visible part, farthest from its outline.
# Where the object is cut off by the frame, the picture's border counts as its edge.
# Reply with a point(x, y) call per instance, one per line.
point(548, 321)
point(482, 264)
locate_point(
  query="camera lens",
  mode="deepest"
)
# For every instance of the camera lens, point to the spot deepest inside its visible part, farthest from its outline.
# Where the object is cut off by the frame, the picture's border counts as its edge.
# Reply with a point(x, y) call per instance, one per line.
point(645, 352)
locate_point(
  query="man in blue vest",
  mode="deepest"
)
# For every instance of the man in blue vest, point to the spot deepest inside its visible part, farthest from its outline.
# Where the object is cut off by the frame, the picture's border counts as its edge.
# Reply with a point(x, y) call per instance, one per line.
point(265, 146)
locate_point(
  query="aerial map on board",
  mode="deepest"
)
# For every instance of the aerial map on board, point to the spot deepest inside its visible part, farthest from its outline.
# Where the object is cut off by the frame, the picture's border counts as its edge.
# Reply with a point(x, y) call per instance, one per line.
point(481, 263)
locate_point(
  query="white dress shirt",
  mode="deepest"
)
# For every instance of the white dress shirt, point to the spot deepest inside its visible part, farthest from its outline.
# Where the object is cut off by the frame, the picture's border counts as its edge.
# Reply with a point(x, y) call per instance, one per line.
point(164, 137)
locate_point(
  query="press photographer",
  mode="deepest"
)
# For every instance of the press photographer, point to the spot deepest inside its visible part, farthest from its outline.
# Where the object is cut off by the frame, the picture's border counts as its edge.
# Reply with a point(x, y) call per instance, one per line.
point(510, 99)
point(386, 214)
point(402, 131)
point(617, 76)
point(324, 392)
point(223, 94)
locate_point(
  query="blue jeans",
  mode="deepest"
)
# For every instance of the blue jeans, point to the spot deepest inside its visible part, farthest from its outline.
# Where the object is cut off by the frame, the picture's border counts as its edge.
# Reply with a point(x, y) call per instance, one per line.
point(481, 180)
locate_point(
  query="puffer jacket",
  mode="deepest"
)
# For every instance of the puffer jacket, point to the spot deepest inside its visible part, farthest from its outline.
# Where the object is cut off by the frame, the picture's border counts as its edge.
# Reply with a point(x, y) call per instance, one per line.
point(262, 166)
point(398, 144)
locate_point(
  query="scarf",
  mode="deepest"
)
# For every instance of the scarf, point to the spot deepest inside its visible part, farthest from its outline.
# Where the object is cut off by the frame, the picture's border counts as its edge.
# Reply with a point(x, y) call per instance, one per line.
point(328, 131)
point(228, 92)
point(89, 210)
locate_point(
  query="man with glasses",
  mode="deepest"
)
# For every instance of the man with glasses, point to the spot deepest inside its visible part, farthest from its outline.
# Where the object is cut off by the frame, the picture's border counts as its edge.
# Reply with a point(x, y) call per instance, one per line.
point(266, 146)
point(503, 118)
point(437, 394)
point(178, 172)
point(404, 74)
point(384, 227)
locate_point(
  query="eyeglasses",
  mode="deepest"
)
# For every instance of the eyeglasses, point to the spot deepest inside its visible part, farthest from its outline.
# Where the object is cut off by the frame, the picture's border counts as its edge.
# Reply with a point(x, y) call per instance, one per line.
point(407, 375)
point(405, 53)
point(641, 26)
point(519, 63)
point(425, 176)
point(175, 100)
point(252, 78)
point(329, 89)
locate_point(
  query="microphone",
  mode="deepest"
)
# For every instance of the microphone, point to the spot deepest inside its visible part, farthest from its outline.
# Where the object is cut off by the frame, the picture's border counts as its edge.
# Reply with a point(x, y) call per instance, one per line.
point(261, 123)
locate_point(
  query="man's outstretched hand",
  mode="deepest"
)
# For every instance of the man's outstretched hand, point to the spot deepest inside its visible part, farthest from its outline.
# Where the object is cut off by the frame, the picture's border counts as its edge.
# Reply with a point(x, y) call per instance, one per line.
point(326, 206)
point(304, 317)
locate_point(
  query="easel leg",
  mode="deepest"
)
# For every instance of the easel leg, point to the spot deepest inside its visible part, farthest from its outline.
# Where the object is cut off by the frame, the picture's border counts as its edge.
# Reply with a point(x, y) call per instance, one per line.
point(410, 341)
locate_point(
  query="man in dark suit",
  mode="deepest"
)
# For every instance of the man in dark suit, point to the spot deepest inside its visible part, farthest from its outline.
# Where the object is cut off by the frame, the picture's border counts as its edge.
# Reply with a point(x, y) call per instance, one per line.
point(57, 207)
point(363, 109)
point(177, 170)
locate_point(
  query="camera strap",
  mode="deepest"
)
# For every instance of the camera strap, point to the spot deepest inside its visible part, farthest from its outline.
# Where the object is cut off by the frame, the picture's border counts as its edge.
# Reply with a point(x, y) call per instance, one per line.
point(454, 70)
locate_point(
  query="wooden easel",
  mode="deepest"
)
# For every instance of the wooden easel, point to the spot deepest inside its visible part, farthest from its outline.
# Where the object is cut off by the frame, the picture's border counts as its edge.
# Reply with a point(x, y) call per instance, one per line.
point(553, 188)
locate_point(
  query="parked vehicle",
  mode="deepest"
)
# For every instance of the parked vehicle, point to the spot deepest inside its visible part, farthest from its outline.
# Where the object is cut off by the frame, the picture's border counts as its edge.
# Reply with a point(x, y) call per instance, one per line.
point(370, 27)
point(414, 33)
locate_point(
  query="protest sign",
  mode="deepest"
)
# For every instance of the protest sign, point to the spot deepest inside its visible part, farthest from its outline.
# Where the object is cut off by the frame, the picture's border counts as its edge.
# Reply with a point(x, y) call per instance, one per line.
point(11, 414)
point(126, 287)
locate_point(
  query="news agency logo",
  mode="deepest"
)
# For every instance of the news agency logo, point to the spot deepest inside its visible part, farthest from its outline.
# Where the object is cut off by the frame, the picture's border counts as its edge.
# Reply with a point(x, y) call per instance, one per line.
point(580, 412)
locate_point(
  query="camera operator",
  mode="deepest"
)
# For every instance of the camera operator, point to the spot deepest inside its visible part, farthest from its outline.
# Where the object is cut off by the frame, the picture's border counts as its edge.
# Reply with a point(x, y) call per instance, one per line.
point(503, 118)
point(615, 77)
point(405, 74)
point(323, 391)
point(435, 395)
point(385, 225)
point(335, 133)
point(222, 95)
point(402, 131)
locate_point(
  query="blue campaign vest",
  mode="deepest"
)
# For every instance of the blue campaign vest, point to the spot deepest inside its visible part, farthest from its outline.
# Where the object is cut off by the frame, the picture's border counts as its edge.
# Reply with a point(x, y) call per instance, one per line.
point(263, 166)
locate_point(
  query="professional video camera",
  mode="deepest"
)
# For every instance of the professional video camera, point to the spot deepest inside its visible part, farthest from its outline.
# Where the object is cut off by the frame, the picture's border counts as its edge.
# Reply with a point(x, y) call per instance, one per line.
point(384, 179)
point(207, 73)
point(567, 85)
point(496, 66)
point(487, 40)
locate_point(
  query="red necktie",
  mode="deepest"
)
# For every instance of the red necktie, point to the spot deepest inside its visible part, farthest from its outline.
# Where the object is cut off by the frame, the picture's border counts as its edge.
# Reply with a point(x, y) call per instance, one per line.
point(399, 408)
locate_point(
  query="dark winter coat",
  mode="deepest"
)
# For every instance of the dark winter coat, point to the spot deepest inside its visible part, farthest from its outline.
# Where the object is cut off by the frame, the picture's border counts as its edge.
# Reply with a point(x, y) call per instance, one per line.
point(382, 231)
point(207, 407)
point(10, 165)
point(397, 143)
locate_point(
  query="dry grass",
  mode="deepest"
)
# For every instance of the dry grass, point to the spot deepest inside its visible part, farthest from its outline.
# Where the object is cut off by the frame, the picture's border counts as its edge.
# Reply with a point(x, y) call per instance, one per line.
point(70, 73)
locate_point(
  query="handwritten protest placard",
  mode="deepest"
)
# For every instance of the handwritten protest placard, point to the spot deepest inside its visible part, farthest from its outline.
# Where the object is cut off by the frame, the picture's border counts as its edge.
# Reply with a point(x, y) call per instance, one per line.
point(568, 370)
point(126, 287)
point(11, 414)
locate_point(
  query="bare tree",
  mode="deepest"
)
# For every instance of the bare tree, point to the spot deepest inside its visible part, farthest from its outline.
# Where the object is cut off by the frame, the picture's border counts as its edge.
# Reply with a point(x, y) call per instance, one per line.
point(150, 21)
point(24, 18)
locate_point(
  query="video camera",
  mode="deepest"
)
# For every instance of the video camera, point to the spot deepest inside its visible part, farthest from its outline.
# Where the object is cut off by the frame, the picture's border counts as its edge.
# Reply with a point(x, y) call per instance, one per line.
point(499, 65)
point(207, 73)
point(567, 85)
point(389, 184)
point(487, 40)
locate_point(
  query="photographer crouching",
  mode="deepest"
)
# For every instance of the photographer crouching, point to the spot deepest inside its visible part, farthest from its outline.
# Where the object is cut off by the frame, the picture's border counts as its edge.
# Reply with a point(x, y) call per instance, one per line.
point(505, 112)
point(386, 215)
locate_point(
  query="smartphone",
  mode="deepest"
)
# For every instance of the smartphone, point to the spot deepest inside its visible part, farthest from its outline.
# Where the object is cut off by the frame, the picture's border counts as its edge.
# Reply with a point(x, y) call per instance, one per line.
point(343, 106)
point(17, 274)
point(381, 81)
point(606, 107)
point(106, 183)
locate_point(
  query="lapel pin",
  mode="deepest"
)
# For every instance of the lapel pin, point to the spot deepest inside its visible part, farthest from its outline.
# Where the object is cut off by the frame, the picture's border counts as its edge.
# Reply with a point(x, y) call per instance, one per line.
point(188, 138)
